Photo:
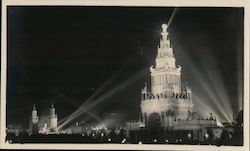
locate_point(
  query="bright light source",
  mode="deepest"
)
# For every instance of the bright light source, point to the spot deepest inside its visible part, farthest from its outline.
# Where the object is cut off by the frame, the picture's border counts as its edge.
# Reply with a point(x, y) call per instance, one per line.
point(206, 135)
point(124, 141)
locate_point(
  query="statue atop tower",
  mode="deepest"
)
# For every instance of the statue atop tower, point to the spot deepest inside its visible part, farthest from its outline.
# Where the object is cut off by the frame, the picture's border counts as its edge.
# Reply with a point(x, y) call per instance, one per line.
point(164, 28)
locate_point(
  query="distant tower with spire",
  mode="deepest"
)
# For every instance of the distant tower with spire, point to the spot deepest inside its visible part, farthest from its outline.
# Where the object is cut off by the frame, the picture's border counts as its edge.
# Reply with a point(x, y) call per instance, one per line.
point(52, 119)
point(34, 119)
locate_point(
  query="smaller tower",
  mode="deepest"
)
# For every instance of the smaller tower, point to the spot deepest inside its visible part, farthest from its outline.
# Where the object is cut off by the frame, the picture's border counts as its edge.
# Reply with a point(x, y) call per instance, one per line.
point(52, 119)
point(144, 97)
point(33, 126)
point(144, 92)
point(189, 93)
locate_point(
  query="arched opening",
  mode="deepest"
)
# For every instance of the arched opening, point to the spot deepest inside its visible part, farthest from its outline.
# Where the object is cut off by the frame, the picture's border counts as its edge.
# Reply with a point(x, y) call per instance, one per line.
point(154, 121)
point(154, 126)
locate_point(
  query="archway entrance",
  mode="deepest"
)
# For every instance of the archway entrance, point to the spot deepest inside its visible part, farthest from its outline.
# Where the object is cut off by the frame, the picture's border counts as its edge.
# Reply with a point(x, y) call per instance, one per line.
point(154, 125)
point(154, 121)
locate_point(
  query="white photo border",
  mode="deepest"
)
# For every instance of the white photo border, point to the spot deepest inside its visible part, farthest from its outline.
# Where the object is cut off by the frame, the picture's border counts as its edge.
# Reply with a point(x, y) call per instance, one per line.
point(153, 3)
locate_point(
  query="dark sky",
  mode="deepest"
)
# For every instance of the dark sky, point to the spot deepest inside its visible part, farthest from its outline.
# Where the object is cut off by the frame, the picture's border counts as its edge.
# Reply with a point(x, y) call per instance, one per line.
point(67, 53)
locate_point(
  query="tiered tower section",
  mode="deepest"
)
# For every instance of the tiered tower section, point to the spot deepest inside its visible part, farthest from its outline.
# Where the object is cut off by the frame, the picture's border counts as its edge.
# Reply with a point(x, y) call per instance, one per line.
point(33, 126)
point(53, 119)
point(166, 98)
point(165, 77)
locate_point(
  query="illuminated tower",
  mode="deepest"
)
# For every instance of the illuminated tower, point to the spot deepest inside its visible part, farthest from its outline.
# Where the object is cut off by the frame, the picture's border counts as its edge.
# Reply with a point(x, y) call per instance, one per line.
point(165, 100)
point(33, 126)
point(165, 77)
point(52, 119)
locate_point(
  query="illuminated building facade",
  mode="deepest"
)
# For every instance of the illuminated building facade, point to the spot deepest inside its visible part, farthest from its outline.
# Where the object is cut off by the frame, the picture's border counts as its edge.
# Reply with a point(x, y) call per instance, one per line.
point(166, 99)
point(166, 104)
point(45, 126)
point(52, 119)
point(34, 119)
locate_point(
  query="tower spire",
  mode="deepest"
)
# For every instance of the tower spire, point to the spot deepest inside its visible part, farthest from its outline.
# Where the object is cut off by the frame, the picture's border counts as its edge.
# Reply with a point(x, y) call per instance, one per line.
point(53, 118)
point(164, 49)
point(34, 107)
point(164, 43)
point(52, 104)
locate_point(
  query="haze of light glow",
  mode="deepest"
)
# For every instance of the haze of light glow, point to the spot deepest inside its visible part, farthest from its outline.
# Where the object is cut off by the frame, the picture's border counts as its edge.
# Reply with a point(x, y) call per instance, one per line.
point(212, 97)
point(106, 83)
point(211, 92)
point(71, 102)
point(93, 102)
point(90, 99)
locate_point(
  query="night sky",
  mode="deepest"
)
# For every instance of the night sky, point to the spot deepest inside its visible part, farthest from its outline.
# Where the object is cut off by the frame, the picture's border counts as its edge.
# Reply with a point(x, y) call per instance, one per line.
point(65, 54)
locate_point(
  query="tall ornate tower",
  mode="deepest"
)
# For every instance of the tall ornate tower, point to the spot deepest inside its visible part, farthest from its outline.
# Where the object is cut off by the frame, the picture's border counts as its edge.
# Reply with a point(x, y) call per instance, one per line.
point(165, 77)
point(33, 126)
point(165, 100)
point(52, 119)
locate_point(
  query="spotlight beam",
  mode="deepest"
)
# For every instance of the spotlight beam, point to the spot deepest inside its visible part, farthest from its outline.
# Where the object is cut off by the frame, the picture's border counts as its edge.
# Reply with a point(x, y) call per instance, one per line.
point(210, 78)
point(85, 107)
point(172, 16)
point(70, 101)
point(99, 90)
point(211, 93)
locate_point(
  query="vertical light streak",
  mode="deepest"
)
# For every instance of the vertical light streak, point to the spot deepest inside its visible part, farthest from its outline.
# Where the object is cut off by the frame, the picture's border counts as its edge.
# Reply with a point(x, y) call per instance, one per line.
point(172, 16)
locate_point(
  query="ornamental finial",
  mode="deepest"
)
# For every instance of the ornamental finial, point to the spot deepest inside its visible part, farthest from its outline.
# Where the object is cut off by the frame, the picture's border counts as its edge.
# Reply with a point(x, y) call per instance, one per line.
point(164, 27)
point(52, 104)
